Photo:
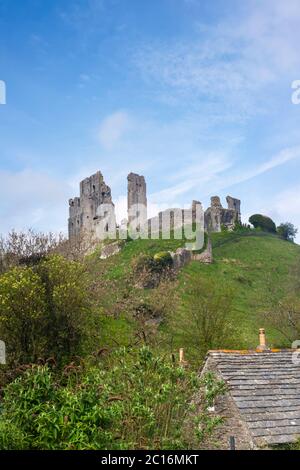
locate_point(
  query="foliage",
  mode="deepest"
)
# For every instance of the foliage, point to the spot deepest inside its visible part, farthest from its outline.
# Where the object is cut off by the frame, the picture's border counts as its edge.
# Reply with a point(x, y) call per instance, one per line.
point(287, 231)
point(285, 317)
point(205, 421)
point(44, 310)
point(27, 248)
point(11, 437)
point(163, 258)
point(22, 314)
point(262, 222)
point(131, 400)
point(143, 262)
point(202, 320)
point(150, 270)
point(69, 317)
point(241, 227)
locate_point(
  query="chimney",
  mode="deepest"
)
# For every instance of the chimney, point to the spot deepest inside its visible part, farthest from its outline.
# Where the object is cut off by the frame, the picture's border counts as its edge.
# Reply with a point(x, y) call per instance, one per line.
point(262, 340)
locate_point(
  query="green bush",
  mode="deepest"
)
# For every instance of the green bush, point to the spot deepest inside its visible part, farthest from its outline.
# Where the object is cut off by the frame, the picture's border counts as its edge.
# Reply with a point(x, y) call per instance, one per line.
point(241, 227)
point(143, 262)
point(262, 222)
point(156, 263)
point(69, 317)
point(11, 437)
point(45, 311)
point(131, 400)
point(287, 231)
point(203, 316)
point(22, 314)
point(163, 258)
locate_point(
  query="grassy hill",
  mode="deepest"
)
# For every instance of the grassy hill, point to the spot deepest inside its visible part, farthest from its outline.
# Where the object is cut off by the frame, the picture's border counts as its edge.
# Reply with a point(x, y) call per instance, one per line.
point(256, 267)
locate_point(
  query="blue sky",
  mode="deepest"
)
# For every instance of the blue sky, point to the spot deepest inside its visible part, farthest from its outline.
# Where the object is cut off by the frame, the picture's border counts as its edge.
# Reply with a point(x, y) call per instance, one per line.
point(194, 94)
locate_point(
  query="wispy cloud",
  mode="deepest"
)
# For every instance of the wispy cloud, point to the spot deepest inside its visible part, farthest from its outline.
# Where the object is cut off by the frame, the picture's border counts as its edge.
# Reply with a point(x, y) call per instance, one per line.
point(195, 177)
point(232, 62)
point(113, 127)
point(79, 13)
point(213, 172)
point(284, 156)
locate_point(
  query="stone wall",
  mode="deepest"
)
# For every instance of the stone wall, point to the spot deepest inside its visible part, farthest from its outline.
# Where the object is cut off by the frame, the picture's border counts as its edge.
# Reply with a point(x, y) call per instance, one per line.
point(233, 424)
point(217, 216)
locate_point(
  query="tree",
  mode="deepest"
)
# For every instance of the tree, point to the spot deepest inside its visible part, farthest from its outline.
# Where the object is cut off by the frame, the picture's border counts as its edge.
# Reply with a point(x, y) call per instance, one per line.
point(27, 248)
point(262, 222)
point(285, 317)
point(22, 314)
point(287, 231)
point(202, 321)
point(68, 308)
point(45, 311)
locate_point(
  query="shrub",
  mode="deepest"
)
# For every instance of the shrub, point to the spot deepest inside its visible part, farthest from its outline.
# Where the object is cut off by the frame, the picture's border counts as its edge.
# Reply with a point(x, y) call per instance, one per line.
point(11, 437)
point(202, 320)
point(27, 248)
point(132, 400)
point(151, 270)
point(285, 317)
point(68, 309)
point(22, 314)
point(45, 311)
point(163, 259)
point(262, 222)
point(143, 262)
point(287, 231)
point(241, 227)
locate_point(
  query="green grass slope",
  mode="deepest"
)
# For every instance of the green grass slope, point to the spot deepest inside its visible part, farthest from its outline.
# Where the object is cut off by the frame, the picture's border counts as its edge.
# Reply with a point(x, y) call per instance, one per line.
point(258, 268)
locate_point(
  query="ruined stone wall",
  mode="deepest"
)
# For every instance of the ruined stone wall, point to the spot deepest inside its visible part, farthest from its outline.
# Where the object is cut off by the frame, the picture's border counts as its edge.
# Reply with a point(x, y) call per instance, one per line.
point(217, 216)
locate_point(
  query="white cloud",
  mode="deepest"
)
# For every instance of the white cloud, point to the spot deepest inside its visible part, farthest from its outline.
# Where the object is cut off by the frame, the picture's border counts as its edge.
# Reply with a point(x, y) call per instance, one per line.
point(33, 199)
point(113, 128)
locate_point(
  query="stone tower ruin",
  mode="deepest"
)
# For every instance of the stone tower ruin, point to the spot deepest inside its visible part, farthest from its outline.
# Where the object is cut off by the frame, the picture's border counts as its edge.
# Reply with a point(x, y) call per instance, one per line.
point(136, 200)
point(85, 211)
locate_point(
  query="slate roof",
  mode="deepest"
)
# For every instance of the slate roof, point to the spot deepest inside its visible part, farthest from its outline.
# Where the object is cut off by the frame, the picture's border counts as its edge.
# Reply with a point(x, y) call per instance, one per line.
point(265, 387)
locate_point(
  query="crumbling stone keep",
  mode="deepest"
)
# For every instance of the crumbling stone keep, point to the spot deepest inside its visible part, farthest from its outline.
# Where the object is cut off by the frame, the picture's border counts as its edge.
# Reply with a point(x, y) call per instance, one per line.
point(85, 211)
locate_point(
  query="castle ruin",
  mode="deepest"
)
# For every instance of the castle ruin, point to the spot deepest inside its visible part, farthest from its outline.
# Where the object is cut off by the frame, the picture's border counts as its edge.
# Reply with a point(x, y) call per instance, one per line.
point(136, 200)
point(94, 209)
point(85, 211)
point(216, 216)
